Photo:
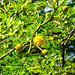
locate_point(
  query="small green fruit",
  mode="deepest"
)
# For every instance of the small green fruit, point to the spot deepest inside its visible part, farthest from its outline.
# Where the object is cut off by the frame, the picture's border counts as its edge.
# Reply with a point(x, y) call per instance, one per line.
point(65, 9)
point(55, 37)
point(45, 52)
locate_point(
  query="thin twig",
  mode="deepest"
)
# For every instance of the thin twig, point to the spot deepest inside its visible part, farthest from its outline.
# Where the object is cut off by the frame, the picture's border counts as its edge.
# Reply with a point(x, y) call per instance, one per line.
point(38, 59)
point(49, 29)
point(6, 39)
point(7, 53)
point(28, 56)
point(50, 35)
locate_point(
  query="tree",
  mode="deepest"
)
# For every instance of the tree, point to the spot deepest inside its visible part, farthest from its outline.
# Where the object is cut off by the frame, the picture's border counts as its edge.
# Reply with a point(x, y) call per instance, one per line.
point(20, 23)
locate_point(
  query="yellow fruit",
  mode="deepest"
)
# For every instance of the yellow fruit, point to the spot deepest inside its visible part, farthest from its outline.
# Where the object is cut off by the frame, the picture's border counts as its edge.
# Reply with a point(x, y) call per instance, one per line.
point(19, 47)
point(65, 8)
point(38, 40)
point(45, 52)
point(55, 38)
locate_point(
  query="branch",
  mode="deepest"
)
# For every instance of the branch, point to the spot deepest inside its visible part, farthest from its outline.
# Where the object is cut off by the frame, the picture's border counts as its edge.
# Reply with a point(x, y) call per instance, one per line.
point(29, 55)
point(63, 46)
point(6, 39)
point(7, 53)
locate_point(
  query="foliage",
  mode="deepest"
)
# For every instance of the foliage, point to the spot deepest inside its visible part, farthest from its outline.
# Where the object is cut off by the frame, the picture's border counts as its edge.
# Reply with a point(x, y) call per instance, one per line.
point(20, 22)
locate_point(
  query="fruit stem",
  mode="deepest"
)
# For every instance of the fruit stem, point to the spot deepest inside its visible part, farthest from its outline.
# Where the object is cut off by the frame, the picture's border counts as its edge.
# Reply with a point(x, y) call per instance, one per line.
point(39, 47)
point(29, 47)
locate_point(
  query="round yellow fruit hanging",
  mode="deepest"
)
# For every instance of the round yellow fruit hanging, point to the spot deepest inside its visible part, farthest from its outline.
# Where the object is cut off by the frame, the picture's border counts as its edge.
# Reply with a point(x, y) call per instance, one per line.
point(19, 47)
point(38, 40)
